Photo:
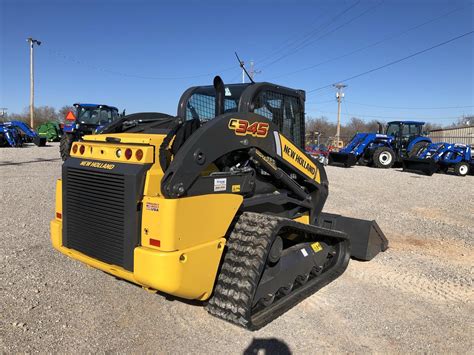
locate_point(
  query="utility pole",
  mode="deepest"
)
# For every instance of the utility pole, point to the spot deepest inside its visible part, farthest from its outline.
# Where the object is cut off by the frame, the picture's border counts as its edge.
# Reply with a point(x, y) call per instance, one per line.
point(339, 96)
point(32, 43)
point(253, 72)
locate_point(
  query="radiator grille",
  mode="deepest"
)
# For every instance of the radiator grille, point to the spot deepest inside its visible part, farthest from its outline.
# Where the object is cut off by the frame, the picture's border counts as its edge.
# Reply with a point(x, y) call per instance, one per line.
point(95, 202)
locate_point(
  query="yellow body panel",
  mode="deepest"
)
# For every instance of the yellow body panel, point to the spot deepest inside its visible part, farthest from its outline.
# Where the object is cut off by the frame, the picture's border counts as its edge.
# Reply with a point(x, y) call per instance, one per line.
point(59, 197)
point(188, 273)
point(108, 152)
point(56, 240)
point(130, 138)
point(294, 156)
point(186, 222)
point(97, 148)
point(191, 232)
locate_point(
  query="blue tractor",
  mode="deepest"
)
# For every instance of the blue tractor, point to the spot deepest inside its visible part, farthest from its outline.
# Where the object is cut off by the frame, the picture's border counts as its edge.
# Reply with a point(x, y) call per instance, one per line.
point(15, 133)
point(441, 157)
point(10, 137)
point(382, 150)
point(87, 119)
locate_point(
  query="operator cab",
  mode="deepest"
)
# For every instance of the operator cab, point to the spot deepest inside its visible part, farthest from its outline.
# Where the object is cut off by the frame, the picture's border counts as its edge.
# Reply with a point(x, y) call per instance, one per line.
point(199, 104)
point(404, 131)
point(283, 106)
point(99, 115)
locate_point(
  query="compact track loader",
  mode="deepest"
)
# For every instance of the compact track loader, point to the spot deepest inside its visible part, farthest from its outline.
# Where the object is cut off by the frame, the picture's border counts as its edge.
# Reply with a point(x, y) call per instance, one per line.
point(219, 204)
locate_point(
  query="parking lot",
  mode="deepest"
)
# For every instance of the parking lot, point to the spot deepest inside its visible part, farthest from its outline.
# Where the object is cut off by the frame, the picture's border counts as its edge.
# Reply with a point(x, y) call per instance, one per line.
point(417, 296)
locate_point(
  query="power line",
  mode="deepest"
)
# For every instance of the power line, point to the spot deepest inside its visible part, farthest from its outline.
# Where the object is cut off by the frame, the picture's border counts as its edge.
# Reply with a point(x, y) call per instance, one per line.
point(310, 34)
point(119, 73)
point(291, 41)
point(412, 108)
point(397, 61)
point(297, 49)
point(319, 103)
point(394, 117)
point(373, 44)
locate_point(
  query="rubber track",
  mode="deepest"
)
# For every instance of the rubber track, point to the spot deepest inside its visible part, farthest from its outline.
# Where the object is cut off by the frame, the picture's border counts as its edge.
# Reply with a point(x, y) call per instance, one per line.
point(244, 261)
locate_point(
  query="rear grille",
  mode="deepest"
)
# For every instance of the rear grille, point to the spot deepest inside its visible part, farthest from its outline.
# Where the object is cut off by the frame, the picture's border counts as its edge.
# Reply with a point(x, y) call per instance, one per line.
point(95, 205)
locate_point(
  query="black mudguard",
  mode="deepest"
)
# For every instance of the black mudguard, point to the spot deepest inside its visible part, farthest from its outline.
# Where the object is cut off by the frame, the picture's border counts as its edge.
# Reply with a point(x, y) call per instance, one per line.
point(425, 166)
point(341, 158)
point(367, 239)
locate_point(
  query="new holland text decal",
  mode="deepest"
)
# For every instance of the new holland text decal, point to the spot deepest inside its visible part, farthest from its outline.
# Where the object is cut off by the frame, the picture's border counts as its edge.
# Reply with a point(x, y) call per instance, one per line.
point(94, 164)
point(244, 127)
point(295, 157)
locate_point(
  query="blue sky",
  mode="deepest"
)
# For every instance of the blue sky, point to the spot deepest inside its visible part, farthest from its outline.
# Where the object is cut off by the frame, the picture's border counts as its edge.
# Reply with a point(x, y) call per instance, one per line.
point(141, 55)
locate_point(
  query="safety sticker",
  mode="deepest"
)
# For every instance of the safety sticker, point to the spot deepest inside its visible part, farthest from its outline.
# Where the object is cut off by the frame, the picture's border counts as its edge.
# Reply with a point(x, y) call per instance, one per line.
point(150, 206)
point(304, 252)
point(227, 92)
point(235, 188)
point(316, 247)
point(220, 184)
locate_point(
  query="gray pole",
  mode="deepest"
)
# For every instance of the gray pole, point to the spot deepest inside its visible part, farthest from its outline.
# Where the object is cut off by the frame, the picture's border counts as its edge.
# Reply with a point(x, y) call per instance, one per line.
point(339, 96)
point(32, 43)
point(32, 87)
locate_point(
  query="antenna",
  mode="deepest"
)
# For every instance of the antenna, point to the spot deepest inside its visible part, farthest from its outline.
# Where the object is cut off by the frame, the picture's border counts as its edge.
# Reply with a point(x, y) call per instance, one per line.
point(241, 63)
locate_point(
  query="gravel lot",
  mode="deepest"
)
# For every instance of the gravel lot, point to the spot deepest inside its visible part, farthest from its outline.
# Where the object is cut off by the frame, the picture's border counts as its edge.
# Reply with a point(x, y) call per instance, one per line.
point(416, 297)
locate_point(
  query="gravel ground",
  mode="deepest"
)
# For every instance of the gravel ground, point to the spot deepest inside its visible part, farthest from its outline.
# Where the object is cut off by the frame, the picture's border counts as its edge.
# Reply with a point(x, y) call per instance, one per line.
point(416, 297)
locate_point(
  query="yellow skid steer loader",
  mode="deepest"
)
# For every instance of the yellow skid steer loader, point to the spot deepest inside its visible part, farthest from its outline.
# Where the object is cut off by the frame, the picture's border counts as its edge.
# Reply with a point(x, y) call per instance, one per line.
point(219, 203)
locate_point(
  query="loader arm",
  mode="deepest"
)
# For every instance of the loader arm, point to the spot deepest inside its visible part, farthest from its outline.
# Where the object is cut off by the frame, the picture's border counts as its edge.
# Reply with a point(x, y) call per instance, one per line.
point(223, 143)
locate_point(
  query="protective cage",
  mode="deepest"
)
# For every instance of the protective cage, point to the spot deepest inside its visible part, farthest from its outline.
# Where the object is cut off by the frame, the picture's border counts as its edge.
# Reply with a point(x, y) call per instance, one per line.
point(281, 105)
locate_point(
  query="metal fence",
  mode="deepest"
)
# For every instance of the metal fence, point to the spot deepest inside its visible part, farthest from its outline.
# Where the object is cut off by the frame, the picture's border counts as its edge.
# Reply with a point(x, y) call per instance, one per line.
point(464, 135)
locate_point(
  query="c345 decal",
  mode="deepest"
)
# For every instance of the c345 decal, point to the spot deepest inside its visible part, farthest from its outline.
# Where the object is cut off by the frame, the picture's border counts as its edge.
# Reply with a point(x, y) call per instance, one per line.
point(244, 127)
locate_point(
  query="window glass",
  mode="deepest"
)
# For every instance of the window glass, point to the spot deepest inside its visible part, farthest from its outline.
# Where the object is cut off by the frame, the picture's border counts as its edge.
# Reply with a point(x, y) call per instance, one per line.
point(285, 111)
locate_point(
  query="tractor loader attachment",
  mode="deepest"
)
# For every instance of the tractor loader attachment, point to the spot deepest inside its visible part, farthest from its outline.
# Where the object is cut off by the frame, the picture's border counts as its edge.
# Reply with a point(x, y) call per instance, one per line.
point(342, 158)
point(426, 166)
point(215, 206)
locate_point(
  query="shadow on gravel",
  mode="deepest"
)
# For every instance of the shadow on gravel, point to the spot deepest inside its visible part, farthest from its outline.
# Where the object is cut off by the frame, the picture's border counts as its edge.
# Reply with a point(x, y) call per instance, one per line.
point(6, 163)
point(267, 346)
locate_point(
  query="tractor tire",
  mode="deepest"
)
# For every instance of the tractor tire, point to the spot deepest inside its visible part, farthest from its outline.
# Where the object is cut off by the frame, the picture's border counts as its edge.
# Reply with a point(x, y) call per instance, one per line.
point(65, 145)
point(417, 149)
point(384, 158)
point(461, 169)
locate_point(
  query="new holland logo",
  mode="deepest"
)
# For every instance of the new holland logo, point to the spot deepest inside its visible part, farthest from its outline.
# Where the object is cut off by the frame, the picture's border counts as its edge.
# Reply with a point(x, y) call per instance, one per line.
point(302, 161)
point(94, 164)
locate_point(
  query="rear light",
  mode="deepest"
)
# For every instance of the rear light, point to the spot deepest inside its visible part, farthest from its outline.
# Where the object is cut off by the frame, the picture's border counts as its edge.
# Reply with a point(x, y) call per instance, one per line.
point(139, 154)
point(59, 215)
point(118, 153)
point(128, 153)
point(82, 149)
point(74, 148)
point(155, 242)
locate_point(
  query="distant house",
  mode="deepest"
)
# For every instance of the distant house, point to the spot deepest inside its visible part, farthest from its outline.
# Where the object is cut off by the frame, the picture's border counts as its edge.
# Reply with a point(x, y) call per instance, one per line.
point(463, 135)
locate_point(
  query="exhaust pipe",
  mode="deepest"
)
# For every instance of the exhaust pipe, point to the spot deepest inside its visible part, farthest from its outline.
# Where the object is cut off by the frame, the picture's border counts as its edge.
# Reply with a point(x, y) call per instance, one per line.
point(220, 95)
point(380, 127)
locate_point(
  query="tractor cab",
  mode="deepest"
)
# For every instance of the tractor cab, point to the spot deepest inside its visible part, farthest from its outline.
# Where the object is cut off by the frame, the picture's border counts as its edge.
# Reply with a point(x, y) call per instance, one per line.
point(404, 132)
point(87, 119)
point(283, 106)
point(92, 116)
